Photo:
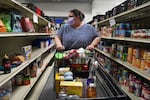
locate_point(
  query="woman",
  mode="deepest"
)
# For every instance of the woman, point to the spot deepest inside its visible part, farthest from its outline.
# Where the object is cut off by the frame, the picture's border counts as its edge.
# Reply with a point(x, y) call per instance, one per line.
point(76, 34)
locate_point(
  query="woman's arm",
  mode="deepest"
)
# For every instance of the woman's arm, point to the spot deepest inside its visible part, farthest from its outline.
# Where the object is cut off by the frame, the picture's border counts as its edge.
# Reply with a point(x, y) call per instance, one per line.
point(59, 45)
point(94, 43)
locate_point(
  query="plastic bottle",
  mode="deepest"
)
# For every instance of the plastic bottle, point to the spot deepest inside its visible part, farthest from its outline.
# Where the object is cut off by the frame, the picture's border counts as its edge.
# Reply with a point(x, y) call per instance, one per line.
point(91, 91)
point(6, 64)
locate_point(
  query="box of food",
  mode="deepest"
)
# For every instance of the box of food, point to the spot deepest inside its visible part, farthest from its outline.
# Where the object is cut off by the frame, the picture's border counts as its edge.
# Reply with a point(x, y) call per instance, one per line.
point(58, 78)
point(71, 87)
point(27, 50)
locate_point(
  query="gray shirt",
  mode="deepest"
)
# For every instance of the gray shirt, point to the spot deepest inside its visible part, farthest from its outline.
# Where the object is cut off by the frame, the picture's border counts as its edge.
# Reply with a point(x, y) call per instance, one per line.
point(76, 38)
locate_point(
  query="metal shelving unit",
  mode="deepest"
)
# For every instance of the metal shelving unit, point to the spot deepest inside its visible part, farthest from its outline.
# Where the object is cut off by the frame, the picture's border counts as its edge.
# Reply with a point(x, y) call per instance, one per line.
point(131, 95)
point(136, 13)
point(21, 91)
point(130, 67)
point(23, 39)
point(35, 54)
point(126, 64)
point(24, 10)
point(140, 14)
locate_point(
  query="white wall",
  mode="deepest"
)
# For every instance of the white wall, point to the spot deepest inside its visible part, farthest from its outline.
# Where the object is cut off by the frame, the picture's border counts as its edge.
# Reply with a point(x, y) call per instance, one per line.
point(62, 9)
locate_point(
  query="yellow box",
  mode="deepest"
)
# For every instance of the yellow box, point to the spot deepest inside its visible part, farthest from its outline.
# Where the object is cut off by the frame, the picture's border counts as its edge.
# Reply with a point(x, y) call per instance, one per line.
point(58, 78)
point(72, 87)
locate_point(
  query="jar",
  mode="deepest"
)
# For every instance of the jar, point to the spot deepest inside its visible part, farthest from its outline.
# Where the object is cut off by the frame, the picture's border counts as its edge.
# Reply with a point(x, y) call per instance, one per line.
point(19, 80)
point(6, 64)
point(33, 70)
point(26, 80)
point(91, 91)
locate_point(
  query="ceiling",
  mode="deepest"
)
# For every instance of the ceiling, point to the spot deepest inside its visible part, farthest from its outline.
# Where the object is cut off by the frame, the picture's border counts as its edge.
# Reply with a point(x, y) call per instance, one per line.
point(60, 1)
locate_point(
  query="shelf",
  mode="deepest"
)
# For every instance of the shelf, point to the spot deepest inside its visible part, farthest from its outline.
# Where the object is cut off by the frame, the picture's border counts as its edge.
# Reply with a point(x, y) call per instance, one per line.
point(126, 64)
point(21, 91)
point(11, 34)
point(131, 95)
point(37, 90)
point(128, 39)
point(24, 10)
point(138, 12)
point(35, 54)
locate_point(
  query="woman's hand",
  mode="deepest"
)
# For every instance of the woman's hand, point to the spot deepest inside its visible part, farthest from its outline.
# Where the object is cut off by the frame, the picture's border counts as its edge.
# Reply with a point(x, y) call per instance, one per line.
point(90, 47)
point(60, 47)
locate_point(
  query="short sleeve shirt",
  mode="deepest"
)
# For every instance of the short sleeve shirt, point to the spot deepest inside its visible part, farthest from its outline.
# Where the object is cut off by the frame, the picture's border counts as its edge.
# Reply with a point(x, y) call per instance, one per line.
point(76, 38)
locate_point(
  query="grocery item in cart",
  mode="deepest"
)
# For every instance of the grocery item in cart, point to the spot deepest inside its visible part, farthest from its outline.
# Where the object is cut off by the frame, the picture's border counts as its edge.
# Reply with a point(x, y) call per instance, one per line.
point(71, 87)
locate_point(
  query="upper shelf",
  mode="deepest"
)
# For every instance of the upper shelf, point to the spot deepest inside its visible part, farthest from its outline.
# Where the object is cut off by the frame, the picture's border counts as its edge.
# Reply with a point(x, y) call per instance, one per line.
point(24, 10)
point(11, 34)
point(128, 39)
point(142, 11)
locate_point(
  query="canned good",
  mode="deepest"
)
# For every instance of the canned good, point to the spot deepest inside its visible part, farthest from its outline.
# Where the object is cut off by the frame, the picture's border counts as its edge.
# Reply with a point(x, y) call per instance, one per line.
point(73, 97)
point(129, 58)
point(114, 50)
point(147, 67)
point(131, 86)
point(125, 73)
point(142, 67)
point(148, 57)
point(26, 80)
point(138, 86)
point(133, 60)
point(142, 53)
point(138, 63)
point(145, 54)
point(62, 95)
point(130, 51)
point(18, 79)
point(124, 56)
point(147, 94)
point(119, 55)
point(143, 91)
point(137, 53)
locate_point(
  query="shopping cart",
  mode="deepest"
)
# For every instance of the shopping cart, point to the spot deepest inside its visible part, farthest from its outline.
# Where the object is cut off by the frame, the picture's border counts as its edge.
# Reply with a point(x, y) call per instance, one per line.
point(79, 63)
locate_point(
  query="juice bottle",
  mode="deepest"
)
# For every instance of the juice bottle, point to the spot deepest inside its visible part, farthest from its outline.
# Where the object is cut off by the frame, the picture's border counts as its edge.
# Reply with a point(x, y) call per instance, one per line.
point(91, 91)
point(6, 64)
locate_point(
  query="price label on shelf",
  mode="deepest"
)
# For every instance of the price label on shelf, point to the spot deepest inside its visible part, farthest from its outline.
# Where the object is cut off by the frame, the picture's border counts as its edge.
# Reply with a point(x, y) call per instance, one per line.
point(35, 18)
point(112, 21)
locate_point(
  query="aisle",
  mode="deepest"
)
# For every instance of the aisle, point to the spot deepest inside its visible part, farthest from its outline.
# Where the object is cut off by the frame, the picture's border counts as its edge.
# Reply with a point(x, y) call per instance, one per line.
point(48, 92)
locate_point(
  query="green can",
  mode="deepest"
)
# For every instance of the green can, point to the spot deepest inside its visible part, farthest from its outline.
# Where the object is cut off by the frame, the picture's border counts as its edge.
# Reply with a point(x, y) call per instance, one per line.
point(124, 56)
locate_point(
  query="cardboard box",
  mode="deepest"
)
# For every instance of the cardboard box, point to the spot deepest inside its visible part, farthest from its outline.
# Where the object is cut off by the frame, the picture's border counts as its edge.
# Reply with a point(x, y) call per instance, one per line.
point(58, 78)
point(72, 87)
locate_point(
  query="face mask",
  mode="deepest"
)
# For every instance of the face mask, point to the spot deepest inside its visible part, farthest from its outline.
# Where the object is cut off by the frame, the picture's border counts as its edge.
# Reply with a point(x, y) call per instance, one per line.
point(71, 20)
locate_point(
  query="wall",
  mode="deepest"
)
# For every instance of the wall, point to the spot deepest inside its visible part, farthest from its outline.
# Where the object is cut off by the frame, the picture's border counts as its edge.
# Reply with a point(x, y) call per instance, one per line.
point(62, 9)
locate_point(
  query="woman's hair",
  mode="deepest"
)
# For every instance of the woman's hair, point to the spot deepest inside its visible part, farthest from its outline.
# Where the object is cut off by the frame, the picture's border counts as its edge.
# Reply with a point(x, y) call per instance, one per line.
point(78, 13)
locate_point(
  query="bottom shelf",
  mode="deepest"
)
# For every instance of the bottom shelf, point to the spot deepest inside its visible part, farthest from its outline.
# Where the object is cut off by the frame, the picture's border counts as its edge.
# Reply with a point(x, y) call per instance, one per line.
point(37, 90)
point(131, 95)
point(20, 92)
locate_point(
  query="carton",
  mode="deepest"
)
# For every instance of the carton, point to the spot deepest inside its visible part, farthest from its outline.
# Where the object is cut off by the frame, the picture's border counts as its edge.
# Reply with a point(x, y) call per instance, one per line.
point(71, 87)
